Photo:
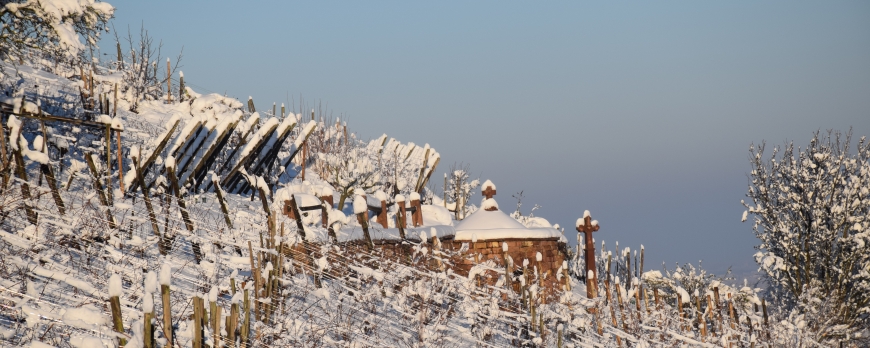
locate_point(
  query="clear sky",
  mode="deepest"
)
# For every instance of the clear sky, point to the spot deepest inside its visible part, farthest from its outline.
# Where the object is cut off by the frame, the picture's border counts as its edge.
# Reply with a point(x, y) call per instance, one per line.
point(641, 112)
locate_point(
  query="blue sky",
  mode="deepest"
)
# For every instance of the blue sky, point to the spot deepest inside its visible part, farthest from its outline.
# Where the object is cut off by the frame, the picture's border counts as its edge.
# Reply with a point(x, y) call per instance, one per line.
point(641, 112)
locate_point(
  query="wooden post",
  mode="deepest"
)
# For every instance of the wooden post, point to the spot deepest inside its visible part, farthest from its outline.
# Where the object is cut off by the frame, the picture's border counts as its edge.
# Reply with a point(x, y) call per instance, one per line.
point(403, 211)
point(52, 184)
point(115, 104)
point(120, 57)
point(294, 208)
point(167, 313)
point(246, 325)
point(223, 203)
point(99, 188)
point(109, 193)
point(197, 321)
point(151, 216)
point(120, 165)
point(701, 323)
point(764, 312)
point(181, 86)
point(168, 82)
point(621, 306)
point(610, 304)
point(148, 316)
point(173, 180)
point(115, 304)
point(255, 271)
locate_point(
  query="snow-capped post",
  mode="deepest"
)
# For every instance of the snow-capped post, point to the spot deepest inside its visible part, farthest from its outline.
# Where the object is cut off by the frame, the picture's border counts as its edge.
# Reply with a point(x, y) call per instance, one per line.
point(150, 286)
point(609, 300)
point(444, 191)
point(120, 163)
point(418, 209)
point(251, 107)
point(382, 213)
point(214, 315)
point(197, 321)
point(400, 215)
point(115, 103)
point(165, 281)
point(115, 292)
point(360, 208)
point(109, 193)
point(587, 226)
point(169, 163)
point(621, 304)
point(168, 82)
point(488, 190)
point(120, 56)
point(181, 86)
point(245, 330)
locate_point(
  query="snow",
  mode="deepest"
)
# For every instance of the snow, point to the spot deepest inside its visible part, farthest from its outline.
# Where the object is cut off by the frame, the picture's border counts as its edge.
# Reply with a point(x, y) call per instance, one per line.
point(151, 282)
point(489, 203)
point(580, 222)
point(504, 247)
point(115, 288)
point(165, 274)
point(538, 256)
point(400, 198)
point(486, 184)
point(415, 196)
point(306, 200)
point(586, 214)
point(213, 294)
point(488, 225)
point(169, 162)
point(359, 205)
point(148, 303)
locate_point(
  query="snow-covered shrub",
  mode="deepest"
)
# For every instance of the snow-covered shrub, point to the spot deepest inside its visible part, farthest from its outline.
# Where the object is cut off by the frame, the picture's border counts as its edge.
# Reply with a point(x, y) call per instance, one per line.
point(811, 211)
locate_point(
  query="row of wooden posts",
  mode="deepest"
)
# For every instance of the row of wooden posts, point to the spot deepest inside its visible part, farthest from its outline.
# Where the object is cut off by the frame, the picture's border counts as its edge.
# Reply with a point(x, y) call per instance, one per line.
point(714, 315)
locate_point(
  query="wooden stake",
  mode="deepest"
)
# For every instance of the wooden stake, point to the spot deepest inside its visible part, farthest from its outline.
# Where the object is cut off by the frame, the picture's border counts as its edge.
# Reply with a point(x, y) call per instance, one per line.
point(120, 166)
point(99, 188)
point(109, 193)
point(168, 82)
point(197, 322)
point(362, 218)
point(700, 315)
point(115, 304)
point(167, 313)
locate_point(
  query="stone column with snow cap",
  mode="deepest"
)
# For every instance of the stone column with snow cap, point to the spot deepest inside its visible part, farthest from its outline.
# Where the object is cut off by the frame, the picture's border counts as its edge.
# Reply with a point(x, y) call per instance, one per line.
point(587, 226)
point(488, 190)
point(418, 209)
point(382, 215)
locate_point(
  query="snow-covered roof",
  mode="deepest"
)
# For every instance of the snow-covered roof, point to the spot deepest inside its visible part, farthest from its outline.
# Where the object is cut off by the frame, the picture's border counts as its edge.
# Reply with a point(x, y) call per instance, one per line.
point(486, 225)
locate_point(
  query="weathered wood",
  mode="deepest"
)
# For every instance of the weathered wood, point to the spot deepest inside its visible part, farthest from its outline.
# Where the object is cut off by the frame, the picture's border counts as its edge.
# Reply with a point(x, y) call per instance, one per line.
point(117, 321)
point(197, 322)
point(234, 175)
point(401, 217)
point(169, 85)
point(32, 216)
point(296, 150)
point(223, 203)
point(213, 148)
point(173, 180)
point(167, 313)
point(148, 329)
point(145, 166)
point(151, 215)
point(363, 221)
point(120, 165)
point(109, 193)
point(429, 175)
point(297, 215)
point(99, 188)
point(422, 170)
point(52, 184)
point(262, 163)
